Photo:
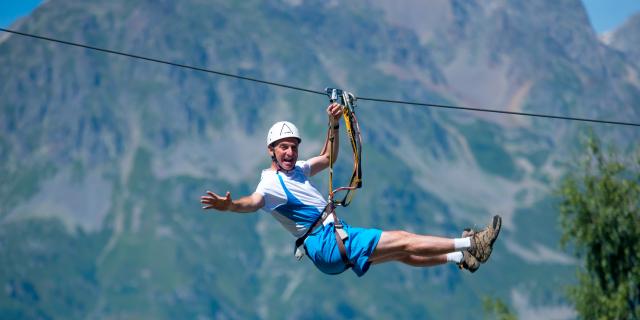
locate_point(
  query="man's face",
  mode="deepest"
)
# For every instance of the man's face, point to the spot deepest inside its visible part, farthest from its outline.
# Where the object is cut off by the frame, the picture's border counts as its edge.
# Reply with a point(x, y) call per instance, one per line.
point(286, 151)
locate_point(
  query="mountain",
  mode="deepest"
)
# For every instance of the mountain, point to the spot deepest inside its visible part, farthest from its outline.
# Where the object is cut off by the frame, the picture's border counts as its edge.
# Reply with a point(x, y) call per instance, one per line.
point(104, 157)
point(627, 37)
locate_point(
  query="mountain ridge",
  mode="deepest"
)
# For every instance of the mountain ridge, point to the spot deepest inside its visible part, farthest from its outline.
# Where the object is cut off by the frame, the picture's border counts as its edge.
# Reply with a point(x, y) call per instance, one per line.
point(139, 142)
point(625, 39)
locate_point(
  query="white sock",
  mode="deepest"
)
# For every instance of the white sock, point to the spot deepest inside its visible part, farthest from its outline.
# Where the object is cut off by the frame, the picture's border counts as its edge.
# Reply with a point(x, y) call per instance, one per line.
point(455, 257)
point(461, 243)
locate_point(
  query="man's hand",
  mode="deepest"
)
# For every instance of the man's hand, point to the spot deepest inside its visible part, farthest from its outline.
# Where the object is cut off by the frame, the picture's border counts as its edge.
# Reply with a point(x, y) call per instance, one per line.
point(334, 111)
point(214, 201)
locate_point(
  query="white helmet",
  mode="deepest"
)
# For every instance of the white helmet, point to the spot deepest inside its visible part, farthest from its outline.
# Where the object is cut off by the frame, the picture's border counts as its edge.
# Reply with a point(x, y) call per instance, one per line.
point(281, 130)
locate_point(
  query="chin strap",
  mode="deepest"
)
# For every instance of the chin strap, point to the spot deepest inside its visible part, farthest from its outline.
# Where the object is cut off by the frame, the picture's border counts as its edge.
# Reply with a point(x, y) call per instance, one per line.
point(278, 166)
point(275, 160)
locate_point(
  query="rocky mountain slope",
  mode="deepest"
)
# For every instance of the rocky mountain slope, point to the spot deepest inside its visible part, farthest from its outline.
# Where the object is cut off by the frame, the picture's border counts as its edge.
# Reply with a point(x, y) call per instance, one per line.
point(104, 157)
point(627, 37)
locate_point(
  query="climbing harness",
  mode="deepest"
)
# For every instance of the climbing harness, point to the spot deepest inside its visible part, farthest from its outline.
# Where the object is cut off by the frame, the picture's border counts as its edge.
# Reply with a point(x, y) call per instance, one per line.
point(348, 102)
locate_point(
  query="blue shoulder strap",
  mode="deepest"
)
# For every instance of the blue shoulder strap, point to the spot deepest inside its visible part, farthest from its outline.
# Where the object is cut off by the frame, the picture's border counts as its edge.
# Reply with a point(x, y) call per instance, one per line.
point(295, 210)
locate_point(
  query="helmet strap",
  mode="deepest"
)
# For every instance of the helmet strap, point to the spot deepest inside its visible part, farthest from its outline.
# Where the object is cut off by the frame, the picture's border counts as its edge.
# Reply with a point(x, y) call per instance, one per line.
point(275, 160)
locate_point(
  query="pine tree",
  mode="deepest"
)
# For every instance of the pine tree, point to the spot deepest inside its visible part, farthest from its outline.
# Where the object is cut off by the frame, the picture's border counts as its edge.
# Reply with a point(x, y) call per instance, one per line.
point(600, 217)
point(494, 308)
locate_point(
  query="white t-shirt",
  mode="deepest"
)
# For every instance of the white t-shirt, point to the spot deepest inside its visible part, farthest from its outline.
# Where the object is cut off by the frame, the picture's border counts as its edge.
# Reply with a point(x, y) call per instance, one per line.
point(291, 198)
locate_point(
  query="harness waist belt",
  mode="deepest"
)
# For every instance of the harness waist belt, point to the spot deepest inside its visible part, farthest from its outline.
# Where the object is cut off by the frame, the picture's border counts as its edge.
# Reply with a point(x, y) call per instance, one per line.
point(322, 220)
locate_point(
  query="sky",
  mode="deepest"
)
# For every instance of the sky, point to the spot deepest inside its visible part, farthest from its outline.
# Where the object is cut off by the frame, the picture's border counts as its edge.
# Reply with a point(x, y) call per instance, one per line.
point(11, 10)
point(605, 15)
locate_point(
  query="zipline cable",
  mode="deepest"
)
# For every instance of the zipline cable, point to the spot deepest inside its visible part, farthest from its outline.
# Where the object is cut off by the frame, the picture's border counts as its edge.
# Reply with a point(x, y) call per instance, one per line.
point(282, 85)
point(500, 111)
point(160, 61)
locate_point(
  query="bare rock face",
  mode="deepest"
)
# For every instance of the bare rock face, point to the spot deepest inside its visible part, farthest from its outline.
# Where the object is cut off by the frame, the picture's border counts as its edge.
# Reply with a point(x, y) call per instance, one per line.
point(103, 157)
point(627, 39)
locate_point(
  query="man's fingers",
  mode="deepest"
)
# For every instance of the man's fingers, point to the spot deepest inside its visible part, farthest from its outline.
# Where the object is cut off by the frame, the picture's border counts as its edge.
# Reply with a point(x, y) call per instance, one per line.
point(213, 194)
point(214, 201)
point(210, 200)
point(335, 110)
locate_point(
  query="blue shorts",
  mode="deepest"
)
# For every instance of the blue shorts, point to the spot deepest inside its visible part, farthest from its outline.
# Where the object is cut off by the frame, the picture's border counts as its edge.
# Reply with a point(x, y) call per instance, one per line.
point(323, 250)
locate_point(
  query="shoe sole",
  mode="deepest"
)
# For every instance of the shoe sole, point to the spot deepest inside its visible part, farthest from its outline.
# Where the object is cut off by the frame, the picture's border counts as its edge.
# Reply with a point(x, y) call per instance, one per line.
point(496, 225)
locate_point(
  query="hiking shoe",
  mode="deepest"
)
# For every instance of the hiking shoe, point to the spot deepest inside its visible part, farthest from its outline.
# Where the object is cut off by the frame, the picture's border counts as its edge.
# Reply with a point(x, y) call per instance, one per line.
point(468, 262)
point(482, 242)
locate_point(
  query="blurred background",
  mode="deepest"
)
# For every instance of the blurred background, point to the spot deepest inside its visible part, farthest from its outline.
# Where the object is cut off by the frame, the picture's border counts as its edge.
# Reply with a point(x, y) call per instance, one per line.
point(103, 158)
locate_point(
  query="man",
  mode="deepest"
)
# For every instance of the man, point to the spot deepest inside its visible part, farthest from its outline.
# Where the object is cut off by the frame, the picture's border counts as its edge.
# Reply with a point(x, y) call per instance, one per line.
point(286, 192)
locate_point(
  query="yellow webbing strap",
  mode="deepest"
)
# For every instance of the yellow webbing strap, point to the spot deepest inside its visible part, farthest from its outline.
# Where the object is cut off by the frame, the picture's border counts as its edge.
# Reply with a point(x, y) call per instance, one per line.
point(353, 132)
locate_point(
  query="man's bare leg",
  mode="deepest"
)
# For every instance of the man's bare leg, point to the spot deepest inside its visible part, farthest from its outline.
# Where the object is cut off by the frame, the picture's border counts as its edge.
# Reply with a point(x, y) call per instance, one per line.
point(421, 250)
point(400, 245)
point(416, 261)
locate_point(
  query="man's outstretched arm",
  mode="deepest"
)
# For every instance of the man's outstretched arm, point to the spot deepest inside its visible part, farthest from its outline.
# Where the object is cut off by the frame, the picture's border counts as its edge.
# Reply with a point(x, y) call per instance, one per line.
point(249, 203)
